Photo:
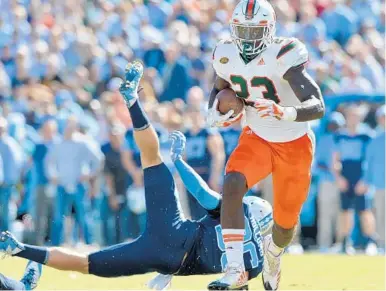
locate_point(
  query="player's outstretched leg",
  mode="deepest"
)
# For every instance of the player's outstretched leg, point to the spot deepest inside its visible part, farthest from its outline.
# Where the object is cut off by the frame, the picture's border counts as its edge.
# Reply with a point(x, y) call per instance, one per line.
point(57, 258)
point(144, 134)
point(29, 281)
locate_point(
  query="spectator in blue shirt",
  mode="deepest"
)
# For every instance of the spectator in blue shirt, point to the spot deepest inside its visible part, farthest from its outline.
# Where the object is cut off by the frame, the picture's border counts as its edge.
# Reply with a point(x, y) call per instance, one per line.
point(12, 156)
point(312, 28)
point(44, 192)
point(328, 194)
point(341, 22)
point(70, 165)
point(374, 174)
point(350, 150)
point(159, 12)
point(175, 74)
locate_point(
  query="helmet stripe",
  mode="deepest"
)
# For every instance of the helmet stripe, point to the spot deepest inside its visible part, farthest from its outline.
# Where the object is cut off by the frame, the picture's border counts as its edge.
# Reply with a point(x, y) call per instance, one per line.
point(250, 8)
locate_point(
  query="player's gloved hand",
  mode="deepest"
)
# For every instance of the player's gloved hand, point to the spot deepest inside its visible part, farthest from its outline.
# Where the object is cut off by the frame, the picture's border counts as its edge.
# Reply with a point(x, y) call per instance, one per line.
point(178, 144)
point(268, 108)
point(216, 119)
point(160, 282)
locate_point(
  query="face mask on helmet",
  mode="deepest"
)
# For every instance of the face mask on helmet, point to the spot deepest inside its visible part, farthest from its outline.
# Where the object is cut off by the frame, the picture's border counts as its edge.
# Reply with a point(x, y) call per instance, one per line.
point(251, 40)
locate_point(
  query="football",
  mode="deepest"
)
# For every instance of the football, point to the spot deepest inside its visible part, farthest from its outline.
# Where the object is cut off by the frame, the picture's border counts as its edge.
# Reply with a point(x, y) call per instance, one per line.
point(227, 100)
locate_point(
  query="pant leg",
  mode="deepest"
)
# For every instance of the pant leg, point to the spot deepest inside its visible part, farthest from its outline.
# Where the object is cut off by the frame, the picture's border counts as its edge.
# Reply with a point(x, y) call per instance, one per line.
point(83, 212)
point(5, 196)
point(328, 210)
point(252, 158)
point(380, 215)
point(291, 179)
point(43, 205)
point(61, 209)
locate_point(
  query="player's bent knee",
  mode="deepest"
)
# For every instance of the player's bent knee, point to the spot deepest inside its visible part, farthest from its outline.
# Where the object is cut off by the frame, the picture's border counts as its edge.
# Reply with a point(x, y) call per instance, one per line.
point(235, 185)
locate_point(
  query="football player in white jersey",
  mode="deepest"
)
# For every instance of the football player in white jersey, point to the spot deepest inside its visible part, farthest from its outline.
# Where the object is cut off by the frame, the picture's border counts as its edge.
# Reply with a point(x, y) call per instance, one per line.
point(269, 74)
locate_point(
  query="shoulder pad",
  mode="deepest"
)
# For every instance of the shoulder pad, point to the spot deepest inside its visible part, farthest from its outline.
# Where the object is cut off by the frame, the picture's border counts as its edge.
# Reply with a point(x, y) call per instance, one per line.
point(222, 55)
point(292, 53)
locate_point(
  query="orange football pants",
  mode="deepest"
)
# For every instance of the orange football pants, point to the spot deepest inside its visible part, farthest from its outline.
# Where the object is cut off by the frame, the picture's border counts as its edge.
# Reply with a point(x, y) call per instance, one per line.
point(290, 165)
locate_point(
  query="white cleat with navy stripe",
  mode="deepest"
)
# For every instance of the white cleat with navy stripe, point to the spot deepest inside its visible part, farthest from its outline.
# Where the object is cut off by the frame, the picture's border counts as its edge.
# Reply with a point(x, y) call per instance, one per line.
point(271, 271)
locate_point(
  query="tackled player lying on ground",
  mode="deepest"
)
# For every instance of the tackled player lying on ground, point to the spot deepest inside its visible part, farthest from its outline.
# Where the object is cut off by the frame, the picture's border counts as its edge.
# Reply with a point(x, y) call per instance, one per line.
point(170, 245)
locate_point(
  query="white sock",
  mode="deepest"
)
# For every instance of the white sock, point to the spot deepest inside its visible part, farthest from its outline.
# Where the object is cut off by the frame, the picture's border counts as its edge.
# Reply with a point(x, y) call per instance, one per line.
point(274, 249)
point(234, 246)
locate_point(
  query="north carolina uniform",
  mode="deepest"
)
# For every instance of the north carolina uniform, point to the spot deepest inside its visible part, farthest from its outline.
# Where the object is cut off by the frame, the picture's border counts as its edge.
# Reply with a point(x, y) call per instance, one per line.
point(197, 153)
point(352, 152)
point(171, 244)
point(268, 145)
point(199, 158)
point(230, 137)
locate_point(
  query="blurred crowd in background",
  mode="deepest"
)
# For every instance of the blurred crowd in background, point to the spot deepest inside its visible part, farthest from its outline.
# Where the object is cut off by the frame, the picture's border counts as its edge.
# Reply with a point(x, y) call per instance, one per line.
point(70, 169)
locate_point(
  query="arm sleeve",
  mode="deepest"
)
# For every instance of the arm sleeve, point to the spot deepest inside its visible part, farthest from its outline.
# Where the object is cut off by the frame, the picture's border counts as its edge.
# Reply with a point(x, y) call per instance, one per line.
point(207, 198)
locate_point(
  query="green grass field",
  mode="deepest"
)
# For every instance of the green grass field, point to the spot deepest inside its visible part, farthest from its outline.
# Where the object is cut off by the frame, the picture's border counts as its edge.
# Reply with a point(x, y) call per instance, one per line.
point(307, 272)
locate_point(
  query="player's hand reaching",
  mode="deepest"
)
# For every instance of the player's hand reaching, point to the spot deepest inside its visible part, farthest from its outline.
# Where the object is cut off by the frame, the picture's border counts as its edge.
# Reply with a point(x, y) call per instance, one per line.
point(268, 108)
point(216, 119)
point(178, 144)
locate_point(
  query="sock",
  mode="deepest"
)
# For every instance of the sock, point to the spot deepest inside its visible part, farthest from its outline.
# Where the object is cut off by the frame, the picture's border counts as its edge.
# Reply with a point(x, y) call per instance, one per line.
point(34, 253)
point(10, 284)
point(234, 246)
point(138, 117)
point(274, 249)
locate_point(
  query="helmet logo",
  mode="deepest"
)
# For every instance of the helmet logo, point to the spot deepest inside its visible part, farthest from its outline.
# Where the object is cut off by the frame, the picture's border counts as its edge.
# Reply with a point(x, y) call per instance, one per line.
point(224, 60)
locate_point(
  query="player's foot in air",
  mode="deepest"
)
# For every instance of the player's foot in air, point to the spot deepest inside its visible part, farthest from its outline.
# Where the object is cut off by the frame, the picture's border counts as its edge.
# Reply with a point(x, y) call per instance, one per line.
point(235, 278)
point(129, 87)
point(9, 244)
point(271, 271)
point(32, 274)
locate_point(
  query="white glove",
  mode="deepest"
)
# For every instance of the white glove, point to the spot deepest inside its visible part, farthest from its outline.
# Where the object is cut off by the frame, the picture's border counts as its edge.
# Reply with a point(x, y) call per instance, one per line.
point(268, 108)
point(216, 119)
point(160, 282)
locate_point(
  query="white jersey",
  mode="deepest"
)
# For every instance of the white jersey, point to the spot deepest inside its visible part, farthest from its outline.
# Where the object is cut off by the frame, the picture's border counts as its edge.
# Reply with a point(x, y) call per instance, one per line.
point(263, 78)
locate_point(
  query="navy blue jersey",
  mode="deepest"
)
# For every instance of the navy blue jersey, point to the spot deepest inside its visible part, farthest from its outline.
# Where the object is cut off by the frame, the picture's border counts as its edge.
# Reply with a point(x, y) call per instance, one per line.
point(197, 152)
point(208, 256)
point(173, 245)
point(230, 136)
point(352, 152)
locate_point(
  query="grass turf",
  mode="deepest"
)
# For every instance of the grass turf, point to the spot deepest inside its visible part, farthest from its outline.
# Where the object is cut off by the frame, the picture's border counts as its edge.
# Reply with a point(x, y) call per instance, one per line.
point(306, 272)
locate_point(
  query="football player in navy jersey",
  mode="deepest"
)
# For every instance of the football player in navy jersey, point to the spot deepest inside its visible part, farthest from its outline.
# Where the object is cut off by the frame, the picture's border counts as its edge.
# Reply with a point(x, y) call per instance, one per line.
point(349, 162)
point(230, 136)
point(205, 154)
point(170, 245)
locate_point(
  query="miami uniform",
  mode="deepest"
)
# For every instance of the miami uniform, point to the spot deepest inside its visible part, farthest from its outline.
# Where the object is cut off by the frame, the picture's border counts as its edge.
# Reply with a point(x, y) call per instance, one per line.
point(268, 145)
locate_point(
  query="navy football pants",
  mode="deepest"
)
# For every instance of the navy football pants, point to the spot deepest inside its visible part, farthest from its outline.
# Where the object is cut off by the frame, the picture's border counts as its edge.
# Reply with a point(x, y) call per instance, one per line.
point(166, 240)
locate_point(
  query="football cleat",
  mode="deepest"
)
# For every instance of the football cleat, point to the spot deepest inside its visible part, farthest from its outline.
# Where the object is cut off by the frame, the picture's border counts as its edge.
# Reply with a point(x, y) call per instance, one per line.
point(32, 274)
point(271, 270)
point(235, 278)
point(129, 88)
point(9, 245)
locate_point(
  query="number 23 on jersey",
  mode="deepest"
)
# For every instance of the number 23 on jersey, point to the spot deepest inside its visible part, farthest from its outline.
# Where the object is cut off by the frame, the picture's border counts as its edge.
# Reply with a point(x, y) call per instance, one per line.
point(269, 92)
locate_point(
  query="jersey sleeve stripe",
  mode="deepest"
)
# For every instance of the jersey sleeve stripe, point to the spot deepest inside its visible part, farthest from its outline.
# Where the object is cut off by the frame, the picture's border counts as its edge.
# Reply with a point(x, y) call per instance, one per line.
point(285, 49)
